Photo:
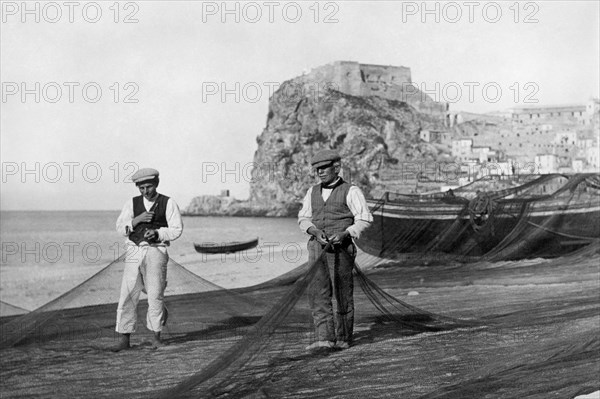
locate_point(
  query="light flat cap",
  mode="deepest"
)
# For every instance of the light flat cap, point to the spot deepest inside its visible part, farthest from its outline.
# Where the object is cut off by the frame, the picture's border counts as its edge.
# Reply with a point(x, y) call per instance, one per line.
point(324, 157)
point(144, 174)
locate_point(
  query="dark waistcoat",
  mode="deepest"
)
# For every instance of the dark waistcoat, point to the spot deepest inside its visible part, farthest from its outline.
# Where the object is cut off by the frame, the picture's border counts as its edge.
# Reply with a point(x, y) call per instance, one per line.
point(159, 220)
point(331, 216)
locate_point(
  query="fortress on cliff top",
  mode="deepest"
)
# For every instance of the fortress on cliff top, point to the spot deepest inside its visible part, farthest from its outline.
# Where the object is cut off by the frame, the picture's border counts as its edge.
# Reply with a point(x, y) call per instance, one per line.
point(390, 82)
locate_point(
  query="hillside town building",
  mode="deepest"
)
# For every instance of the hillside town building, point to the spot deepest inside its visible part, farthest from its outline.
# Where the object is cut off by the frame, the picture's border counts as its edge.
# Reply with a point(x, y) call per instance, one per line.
point(561, 138)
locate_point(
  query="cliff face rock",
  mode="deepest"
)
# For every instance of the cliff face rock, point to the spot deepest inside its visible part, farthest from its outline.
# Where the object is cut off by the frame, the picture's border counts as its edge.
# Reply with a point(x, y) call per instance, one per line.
point(373, 134)
point(370, 114)
point(206, 205)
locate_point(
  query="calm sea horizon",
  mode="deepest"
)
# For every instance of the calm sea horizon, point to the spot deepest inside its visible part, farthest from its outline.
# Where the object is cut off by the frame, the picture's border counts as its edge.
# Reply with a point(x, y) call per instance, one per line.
point(45, 253)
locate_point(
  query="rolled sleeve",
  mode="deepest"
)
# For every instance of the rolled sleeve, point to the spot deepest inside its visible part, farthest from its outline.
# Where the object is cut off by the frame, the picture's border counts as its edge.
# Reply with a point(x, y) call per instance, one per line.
point(305, 214)
point(358, 206)
point(174, 221)
point(124, 222)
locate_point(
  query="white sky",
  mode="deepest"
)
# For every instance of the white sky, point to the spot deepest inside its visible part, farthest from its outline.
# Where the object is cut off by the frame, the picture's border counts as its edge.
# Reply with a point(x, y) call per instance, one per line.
point(176, 50)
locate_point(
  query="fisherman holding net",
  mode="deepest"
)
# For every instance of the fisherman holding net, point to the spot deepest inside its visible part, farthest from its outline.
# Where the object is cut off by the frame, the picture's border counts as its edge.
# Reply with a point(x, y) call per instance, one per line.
point(149, 221)
point(333, 212)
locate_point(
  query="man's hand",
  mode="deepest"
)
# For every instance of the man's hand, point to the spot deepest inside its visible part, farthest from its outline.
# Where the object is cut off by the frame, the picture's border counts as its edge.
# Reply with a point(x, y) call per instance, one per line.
point(151, 235)
point(337, 238)
point(318, 234)
point(145, 217)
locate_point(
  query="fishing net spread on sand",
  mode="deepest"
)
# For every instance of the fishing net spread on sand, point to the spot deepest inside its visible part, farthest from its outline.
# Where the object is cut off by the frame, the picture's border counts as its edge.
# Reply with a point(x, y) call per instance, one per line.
point(467, 321)
point(8, 309)
point(99, 294)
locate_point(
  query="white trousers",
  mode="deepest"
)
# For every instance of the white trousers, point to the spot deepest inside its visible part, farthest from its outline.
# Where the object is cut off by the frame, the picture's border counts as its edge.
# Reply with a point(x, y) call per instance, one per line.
point(145, 270)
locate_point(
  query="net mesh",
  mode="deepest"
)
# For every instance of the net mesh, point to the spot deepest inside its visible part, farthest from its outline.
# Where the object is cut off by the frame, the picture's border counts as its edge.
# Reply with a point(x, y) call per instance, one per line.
point(7, 309)
point(548, 216)
point(427, 324)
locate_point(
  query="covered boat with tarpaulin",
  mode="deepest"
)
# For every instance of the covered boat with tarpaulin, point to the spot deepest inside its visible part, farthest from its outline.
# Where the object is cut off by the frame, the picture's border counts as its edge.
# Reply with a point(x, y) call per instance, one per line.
point(547, 216)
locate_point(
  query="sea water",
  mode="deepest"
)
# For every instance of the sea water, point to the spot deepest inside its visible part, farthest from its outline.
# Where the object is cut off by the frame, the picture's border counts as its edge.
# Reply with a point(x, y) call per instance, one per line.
point(46, 253)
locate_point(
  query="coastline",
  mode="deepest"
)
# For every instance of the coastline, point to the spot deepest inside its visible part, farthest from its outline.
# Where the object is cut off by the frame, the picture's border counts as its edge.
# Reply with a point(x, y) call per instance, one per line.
point(65, 248)
point(219, 205)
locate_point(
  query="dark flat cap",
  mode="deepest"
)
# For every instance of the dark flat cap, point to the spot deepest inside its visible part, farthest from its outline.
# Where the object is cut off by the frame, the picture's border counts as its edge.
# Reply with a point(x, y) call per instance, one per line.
point(324, 157)
point(144, 174)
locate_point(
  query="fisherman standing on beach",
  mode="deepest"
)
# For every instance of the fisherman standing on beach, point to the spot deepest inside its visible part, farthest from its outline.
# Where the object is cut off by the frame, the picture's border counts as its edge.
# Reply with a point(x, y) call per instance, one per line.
point(332, 212)
point(149, 221)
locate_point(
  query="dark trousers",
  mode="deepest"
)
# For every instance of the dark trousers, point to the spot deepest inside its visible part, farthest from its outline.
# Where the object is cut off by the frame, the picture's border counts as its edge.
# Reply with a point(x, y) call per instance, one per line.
point(333, 278)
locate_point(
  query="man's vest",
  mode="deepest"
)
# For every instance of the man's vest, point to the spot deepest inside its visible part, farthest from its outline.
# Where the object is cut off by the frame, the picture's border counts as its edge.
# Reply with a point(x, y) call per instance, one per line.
point(159, 220)
point(332, 216)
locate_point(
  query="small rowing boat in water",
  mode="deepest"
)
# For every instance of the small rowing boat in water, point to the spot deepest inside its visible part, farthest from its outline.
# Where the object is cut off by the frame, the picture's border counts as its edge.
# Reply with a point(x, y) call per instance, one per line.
point(225, 247)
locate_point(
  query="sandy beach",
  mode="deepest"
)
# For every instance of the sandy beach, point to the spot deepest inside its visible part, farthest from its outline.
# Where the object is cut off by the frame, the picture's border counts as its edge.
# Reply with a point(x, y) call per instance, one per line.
point(539, 340)
point(537, 332)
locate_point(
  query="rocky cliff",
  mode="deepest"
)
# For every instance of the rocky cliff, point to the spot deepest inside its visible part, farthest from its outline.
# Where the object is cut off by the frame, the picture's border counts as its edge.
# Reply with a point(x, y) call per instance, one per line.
point(374, 126)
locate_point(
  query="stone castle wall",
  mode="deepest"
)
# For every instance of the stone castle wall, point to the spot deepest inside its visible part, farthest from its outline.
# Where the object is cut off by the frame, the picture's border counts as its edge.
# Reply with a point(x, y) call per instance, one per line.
point(389, 82)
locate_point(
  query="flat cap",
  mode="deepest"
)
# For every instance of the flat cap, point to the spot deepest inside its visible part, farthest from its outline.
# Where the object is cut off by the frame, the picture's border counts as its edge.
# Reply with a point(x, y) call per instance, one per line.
point(324, 157)
point(144, 174)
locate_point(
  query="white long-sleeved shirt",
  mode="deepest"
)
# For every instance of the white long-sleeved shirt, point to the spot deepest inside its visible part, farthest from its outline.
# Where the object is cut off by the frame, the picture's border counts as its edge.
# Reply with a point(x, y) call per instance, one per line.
point(356, 202)
point(165, 234)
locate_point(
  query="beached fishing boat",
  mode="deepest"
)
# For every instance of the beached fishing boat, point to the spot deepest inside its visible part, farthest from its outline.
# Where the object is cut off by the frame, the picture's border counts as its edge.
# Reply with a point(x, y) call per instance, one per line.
point(225, 247)
point(548, 215)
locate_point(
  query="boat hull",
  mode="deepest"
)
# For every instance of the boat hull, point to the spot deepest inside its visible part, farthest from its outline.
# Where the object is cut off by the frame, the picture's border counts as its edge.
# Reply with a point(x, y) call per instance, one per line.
point(226, 247)
point(442, 228)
